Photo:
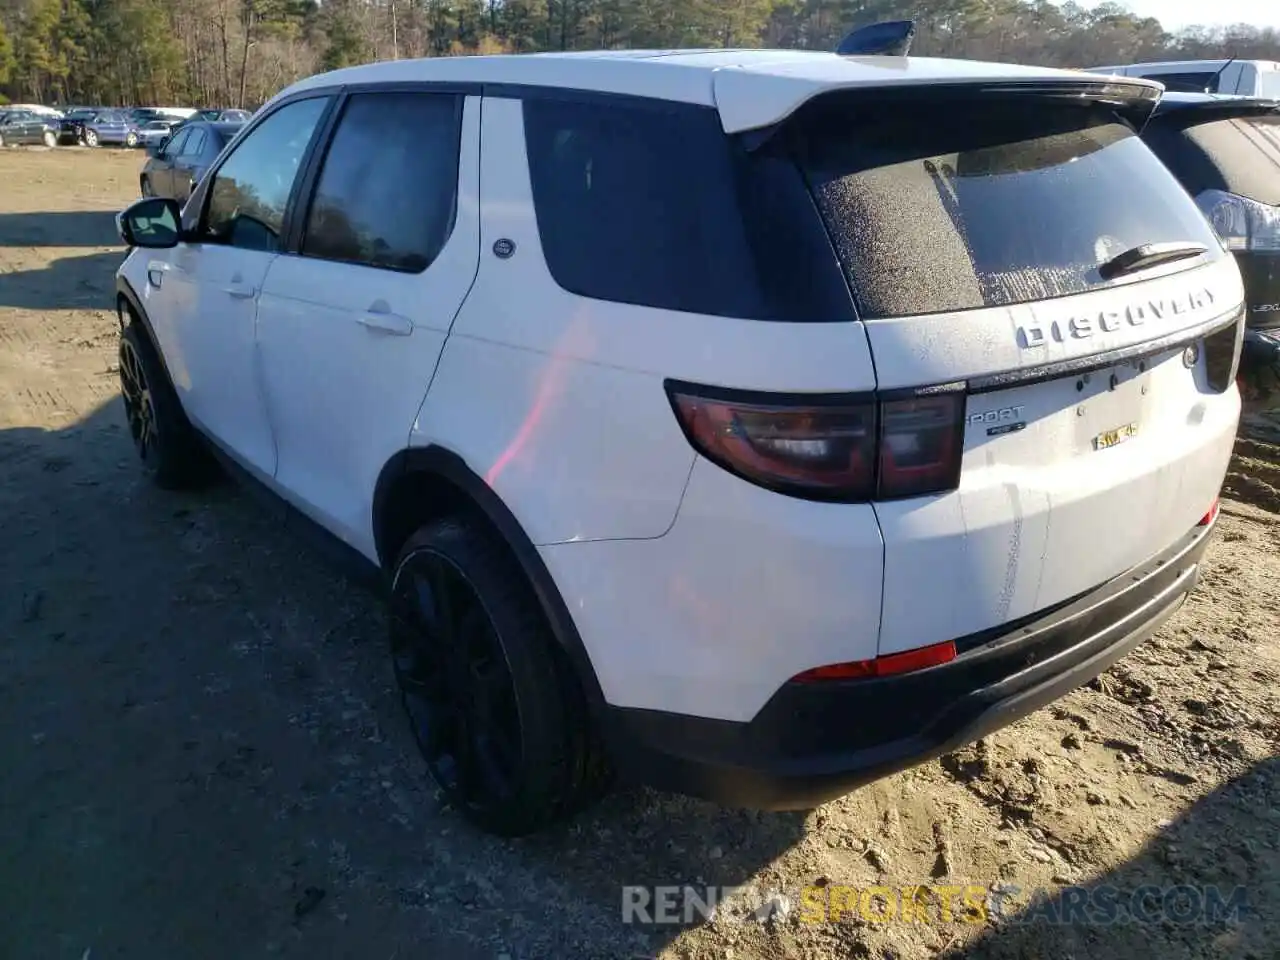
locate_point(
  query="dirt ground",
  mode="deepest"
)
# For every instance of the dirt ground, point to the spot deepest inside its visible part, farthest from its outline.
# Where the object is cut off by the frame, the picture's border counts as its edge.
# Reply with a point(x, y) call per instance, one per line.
point(202, 755)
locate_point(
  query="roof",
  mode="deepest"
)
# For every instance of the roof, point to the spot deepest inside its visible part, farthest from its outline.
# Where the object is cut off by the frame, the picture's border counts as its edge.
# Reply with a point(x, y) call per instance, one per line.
point(751, 88)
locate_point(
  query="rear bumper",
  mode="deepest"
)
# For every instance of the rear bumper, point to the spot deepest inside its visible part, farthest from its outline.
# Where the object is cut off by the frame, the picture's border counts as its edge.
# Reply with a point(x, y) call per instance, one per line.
point(813, 742)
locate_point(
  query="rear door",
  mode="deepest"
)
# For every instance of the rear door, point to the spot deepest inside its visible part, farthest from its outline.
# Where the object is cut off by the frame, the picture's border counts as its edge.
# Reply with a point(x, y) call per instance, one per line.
point(352, 322)
point(982, 238)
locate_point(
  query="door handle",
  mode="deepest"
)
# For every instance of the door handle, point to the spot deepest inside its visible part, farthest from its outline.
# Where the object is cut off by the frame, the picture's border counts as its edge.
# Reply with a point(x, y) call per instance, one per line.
point(156, 270)
point(391, 323)
point(239, 289)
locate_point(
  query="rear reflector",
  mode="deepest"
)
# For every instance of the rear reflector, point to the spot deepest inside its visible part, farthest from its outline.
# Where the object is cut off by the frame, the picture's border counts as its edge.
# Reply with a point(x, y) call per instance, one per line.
point(885, 666)
point(1209, 517)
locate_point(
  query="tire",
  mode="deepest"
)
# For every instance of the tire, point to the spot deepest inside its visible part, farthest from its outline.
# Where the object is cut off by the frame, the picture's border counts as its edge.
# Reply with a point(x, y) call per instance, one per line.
point(90, 138)
point(1259, 377)
point(131, 140)
point(50, 138)
point(496, 713)
point(1, 141)
point(172, 453)
point(147, 191)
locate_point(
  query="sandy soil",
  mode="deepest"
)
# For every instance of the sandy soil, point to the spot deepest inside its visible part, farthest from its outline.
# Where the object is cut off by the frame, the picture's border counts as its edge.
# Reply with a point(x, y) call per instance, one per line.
point(203, 757)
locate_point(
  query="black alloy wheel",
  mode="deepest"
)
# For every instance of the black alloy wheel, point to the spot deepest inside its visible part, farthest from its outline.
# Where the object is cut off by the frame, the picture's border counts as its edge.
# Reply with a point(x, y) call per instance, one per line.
point(171, 451)
point(456, 685)
point(139, 403)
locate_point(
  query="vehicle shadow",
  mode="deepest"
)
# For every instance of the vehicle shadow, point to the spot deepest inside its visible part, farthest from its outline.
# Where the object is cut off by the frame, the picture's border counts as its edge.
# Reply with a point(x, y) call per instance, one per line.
point(68, 283)
point(59, 228)
point(1206, 885)
point(205, 755)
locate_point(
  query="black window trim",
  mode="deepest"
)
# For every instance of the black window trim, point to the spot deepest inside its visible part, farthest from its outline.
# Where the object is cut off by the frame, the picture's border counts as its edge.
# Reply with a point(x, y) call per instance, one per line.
point(313, 165)
point(204, 139)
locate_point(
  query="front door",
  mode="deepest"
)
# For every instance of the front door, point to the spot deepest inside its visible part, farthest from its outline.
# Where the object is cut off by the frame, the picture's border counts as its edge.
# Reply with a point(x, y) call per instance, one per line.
point(186, 162)
point(216, 279)
point(350, 329)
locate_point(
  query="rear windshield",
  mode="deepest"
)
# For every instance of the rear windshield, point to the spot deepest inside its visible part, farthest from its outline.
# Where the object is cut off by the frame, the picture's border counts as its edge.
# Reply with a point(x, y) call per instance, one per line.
point(1190, 82)
point(953, 206)
point(1240, 156)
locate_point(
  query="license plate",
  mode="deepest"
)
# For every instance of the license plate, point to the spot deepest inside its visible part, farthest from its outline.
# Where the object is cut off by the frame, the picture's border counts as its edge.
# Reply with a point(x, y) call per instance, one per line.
point(1113, 437)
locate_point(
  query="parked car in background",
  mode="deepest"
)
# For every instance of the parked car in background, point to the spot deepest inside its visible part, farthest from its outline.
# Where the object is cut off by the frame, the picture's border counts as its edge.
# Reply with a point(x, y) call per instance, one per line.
point(24, 126)
point(222, 116)
point(1225, 151)
point(177, 165)
point(36, 108)
point(142, 115)
point(1248, 78)
point(110, 127)
point(219, 116)
point(72, 126)
point(155, 132)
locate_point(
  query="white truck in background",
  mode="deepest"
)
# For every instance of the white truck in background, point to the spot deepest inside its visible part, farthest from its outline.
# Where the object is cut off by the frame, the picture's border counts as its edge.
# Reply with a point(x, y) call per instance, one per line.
point(1245, 78)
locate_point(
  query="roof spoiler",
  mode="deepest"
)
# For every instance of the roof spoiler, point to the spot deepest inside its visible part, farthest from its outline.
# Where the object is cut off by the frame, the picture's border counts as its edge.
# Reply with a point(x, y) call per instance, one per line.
point(892, 38)
point(1131, 100)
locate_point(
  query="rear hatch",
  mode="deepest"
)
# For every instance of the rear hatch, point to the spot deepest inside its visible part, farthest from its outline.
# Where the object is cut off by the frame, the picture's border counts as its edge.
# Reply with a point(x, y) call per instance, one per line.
point(1027, 249)
point(1227, 155)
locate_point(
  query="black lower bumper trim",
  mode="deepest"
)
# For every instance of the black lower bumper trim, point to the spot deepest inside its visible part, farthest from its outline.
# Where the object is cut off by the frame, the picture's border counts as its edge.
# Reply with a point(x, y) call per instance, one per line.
point(813, 742)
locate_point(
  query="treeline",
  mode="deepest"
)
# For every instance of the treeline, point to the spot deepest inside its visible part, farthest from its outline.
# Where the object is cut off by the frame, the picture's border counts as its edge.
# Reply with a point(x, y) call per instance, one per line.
point(240, 52)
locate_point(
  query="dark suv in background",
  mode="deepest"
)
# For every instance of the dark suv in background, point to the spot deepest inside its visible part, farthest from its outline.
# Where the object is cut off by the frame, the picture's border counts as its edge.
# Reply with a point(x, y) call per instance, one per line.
point(175, 166)
point(26, 126)
point(1226, 153)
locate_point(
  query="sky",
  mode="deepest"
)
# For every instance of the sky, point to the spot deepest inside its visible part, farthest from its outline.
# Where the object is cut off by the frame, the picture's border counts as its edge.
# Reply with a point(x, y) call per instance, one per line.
point(1175, 14)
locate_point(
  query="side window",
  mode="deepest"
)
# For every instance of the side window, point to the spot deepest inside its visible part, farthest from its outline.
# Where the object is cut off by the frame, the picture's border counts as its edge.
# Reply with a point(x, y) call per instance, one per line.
point(387, 192)
point(250, 191)
point(194, 144)
point(1191, 82)
point(1269, 84)
point(639, 204)
point(175, 144)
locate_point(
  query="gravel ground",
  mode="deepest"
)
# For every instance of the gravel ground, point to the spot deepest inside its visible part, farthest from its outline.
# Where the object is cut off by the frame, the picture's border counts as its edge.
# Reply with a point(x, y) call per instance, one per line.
point(204, 757)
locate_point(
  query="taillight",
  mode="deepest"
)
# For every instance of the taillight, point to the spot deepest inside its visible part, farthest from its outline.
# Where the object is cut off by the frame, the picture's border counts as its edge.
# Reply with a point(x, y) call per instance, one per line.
point(886, 666)
point(921, 441)
point(846, 448)
point(1241, 223)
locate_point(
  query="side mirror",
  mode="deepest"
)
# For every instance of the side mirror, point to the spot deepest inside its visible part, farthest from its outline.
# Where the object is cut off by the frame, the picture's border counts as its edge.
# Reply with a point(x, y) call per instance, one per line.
point(152, 222)
point(153, 149)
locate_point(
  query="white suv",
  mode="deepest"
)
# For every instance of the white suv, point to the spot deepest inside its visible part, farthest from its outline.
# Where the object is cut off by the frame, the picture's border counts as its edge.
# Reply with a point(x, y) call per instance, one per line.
point(760, 422)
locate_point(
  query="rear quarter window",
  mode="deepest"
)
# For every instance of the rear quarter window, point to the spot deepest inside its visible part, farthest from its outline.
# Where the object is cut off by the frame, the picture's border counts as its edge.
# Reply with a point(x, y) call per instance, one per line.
point(650, 203)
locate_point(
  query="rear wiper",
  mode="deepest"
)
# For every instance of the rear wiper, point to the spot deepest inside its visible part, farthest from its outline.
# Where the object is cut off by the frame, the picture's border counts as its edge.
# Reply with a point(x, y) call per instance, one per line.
point(1148, 255)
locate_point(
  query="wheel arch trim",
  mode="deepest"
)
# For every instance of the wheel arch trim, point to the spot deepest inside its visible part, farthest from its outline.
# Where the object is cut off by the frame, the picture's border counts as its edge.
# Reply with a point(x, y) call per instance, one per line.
point(439, 462)
point(126, 293)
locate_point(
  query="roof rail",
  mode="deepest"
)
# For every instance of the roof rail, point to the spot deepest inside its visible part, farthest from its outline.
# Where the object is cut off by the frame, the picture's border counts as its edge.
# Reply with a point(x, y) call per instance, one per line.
point(891, 38)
